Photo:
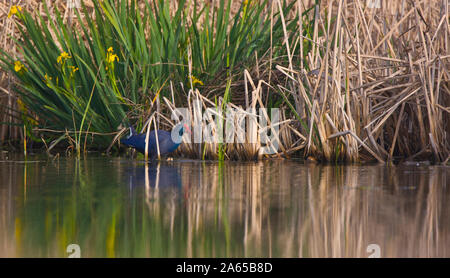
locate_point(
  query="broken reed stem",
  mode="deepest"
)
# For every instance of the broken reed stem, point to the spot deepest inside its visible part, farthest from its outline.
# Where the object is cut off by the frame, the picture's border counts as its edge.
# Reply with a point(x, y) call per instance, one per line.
point(397, 127)
point(147, 135)
point(156, 138)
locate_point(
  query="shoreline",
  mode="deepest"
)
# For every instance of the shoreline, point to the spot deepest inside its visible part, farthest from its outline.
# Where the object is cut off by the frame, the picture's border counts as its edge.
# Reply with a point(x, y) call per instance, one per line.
point(14, 155)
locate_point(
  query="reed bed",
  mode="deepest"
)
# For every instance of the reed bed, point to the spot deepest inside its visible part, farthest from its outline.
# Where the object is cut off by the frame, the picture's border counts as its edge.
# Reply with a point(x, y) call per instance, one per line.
point(354, 80)
point(378, 83)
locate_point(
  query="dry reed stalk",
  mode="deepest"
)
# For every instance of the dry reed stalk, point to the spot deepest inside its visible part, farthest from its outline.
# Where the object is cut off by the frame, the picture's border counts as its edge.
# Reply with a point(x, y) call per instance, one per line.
point(250, 148)
point(373, 73)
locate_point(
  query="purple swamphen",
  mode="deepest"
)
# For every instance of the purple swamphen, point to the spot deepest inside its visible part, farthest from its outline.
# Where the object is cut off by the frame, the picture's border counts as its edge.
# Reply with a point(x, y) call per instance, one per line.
point(165, 142)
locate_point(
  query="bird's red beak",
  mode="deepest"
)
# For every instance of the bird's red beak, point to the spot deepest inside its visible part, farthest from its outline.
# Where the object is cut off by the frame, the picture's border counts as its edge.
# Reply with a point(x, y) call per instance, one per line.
point(186, 127)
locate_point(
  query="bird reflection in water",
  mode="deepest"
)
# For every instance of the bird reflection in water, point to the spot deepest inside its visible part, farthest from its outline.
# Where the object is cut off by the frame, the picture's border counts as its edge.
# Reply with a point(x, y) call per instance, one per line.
point(155, 175)
point(161, 182)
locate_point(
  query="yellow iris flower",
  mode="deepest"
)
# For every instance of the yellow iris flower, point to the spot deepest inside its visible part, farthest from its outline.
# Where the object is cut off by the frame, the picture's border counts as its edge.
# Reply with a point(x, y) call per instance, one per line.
point(74, 69)
point(64, 55)
point(195, 80)
point(47, 80)
point(18, 66)
point(111, 57)
point(14, 10)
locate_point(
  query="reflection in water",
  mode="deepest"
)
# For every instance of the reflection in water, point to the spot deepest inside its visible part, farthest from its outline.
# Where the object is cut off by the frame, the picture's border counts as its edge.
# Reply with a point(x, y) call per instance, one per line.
point(120, 208)
point(153, 175)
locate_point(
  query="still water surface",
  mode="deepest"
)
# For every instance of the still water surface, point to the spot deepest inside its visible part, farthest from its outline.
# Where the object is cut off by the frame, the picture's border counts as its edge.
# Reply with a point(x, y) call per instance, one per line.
point(115, 207)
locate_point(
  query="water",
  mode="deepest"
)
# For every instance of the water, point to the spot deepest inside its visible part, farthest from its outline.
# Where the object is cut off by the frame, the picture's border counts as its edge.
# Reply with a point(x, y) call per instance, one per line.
point(115, 207)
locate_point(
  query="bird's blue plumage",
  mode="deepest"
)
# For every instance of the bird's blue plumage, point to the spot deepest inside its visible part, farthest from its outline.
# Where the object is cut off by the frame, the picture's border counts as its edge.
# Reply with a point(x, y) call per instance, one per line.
point(166, 144)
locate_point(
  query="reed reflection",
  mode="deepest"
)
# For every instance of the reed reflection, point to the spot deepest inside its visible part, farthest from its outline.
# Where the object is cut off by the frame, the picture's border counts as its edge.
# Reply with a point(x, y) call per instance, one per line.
point(208, 209)
point(286, 210)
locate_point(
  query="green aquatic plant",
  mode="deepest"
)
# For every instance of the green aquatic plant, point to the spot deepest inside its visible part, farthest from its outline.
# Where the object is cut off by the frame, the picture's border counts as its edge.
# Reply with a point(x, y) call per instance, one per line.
point(60, 75)
point(110, 60)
